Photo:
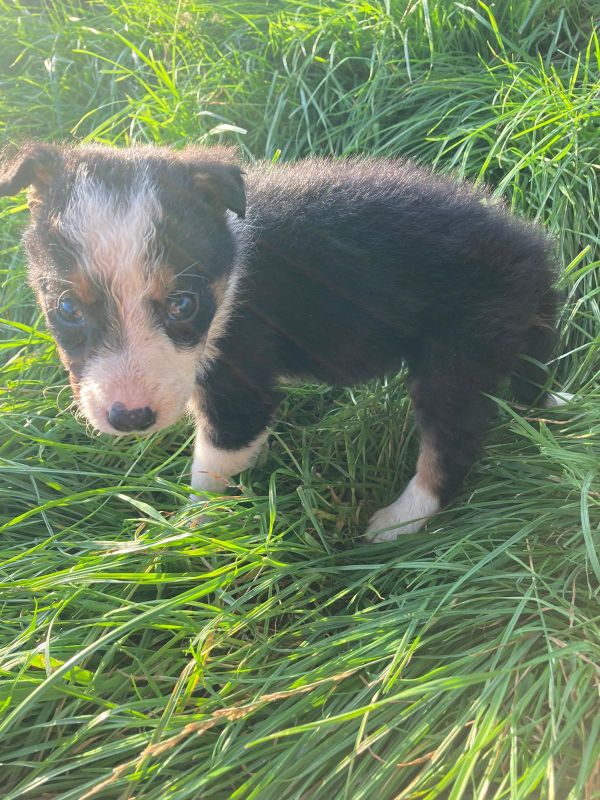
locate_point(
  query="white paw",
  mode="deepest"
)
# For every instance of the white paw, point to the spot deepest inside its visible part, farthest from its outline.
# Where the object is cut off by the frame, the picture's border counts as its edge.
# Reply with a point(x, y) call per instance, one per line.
point(557, 399)
point(213, 467)
point(407, 514)
point(385, 527)
point(207, 483)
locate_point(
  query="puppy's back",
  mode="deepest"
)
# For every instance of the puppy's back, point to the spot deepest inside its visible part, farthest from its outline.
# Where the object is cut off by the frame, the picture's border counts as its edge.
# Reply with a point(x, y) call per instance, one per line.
point(372, 256)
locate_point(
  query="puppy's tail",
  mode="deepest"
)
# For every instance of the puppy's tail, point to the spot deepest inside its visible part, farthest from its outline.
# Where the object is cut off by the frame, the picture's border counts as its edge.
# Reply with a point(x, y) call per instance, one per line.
point(531, 377)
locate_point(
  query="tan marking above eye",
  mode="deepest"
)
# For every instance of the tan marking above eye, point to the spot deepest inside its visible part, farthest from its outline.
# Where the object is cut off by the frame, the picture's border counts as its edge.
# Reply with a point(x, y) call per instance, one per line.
point(160, 284)
point(82, 287)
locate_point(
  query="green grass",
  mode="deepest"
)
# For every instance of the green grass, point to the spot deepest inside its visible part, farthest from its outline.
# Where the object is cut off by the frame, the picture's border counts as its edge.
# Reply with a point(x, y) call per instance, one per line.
point(271, 654)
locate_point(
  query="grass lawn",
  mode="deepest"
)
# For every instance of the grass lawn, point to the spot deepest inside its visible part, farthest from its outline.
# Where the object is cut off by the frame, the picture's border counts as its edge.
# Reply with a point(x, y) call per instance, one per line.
point(271, 654)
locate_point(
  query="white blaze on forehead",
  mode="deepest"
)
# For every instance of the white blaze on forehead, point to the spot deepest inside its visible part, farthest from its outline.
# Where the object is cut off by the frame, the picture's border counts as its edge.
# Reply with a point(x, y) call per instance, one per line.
point(113, 230)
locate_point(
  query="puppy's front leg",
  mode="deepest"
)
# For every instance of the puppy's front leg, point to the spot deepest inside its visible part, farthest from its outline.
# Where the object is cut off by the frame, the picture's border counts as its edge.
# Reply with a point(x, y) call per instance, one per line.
point(213, 466)
point(232, 410)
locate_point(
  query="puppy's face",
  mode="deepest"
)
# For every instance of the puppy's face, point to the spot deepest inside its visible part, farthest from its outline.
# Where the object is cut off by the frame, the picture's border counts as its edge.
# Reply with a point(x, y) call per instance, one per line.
point(131, 255)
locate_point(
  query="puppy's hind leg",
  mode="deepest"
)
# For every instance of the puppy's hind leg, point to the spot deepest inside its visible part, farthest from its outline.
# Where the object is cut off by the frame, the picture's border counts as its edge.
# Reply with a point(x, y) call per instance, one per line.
point(419, 500)
point(452, 414)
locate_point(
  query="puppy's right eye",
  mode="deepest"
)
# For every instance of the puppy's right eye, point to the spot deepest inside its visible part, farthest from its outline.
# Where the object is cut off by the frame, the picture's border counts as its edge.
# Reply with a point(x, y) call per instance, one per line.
point(182, 307)
point(69, 311)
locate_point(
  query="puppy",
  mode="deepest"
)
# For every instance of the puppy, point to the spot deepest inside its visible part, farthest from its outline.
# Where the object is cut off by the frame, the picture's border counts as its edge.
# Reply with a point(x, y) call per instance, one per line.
point(164, 291)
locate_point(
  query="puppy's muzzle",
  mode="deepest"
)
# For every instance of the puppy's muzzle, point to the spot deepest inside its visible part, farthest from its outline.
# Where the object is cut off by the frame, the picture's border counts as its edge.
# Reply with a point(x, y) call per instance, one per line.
point(131, 419)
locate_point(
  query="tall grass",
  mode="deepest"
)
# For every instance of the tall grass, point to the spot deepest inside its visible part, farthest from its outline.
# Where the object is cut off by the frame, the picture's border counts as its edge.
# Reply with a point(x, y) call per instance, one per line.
point(270, 653)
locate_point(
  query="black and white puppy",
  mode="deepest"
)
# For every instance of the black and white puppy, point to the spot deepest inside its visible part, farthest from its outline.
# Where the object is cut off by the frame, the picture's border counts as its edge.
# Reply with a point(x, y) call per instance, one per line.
point(165, 291)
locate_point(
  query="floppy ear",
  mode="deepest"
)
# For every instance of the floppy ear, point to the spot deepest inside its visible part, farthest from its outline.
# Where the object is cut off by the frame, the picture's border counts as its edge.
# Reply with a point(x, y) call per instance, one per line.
point(34, 164)
point(223, 183)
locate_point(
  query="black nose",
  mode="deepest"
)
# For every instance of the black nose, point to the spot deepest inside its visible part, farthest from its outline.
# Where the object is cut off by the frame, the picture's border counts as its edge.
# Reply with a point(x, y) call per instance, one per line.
point(130, 419)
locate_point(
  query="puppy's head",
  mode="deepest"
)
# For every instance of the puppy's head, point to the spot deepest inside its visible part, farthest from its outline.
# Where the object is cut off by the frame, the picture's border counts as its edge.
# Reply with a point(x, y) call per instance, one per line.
point(132, 258)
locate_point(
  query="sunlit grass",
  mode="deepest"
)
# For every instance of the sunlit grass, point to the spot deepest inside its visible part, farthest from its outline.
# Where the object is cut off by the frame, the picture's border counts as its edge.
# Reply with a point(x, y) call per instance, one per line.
point(270, 653)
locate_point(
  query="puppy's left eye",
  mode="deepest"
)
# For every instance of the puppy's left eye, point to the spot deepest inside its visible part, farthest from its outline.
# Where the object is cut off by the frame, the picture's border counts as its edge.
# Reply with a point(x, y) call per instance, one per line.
point(181, 307)
point(69, 311)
